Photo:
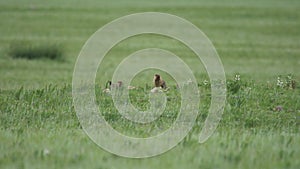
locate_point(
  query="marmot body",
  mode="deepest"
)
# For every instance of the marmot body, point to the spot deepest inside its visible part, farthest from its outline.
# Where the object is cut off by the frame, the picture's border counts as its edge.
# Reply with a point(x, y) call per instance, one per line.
point(159, 82)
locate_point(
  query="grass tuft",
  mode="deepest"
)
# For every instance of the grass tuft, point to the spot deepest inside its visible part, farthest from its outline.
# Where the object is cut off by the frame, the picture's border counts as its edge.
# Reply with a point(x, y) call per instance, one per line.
point(26, 50)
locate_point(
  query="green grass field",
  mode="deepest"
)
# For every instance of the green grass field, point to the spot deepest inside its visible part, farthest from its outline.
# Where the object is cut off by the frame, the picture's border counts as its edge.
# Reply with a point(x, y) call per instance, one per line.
point(259, 40)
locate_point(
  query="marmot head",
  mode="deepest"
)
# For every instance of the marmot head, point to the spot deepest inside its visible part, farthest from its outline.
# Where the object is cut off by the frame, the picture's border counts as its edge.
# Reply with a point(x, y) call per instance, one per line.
point(156, 77)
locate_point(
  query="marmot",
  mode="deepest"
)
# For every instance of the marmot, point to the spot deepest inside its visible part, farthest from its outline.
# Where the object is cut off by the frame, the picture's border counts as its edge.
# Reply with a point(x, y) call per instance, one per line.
point(159, 82)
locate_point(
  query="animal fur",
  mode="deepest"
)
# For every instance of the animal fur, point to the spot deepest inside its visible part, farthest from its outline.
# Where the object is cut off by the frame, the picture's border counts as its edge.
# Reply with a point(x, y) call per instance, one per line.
point(159, 82)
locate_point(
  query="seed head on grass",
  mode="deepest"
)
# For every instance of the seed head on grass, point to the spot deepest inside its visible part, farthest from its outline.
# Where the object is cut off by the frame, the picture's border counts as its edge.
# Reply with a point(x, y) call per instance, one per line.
point(278, 108)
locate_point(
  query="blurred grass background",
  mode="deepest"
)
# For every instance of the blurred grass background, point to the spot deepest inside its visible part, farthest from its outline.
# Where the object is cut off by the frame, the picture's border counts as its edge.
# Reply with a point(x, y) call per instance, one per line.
point(259, 39)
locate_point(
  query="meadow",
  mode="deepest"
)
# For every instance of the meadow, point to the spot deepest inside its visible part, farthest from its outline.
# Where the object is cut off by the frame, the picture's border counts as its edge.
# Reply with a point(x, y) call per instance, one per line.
point(258, 40)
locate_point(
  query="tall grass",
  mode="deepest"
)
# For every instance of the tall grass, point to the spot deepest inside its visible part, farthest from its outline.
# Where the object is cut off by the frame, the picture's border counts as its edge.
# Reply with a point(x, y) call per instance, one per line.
point(41, 125)
point(27, 50)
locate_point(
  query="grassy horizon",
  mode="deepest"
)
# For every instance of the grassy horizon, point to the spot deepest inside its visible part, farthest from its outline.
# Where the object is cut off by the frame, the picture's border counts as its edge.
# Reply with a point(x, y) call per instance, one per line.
point(257, 39)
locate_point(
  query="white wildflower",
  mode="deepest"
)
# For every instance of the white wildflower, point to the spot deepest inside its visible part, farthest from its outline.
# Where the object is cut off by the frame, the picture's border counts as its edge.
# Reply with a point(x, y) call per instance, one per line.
point(46, 152)
point(237, 77)
point(205, 82)
point(280, 83)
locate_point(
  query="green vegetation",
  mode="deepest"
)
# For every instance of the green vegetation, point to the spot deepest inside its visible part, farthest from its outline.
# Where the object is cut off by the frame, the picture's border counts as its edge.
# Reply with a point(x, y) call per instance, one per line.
point(39, 128)
point(29, 51)
point(259, 40)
